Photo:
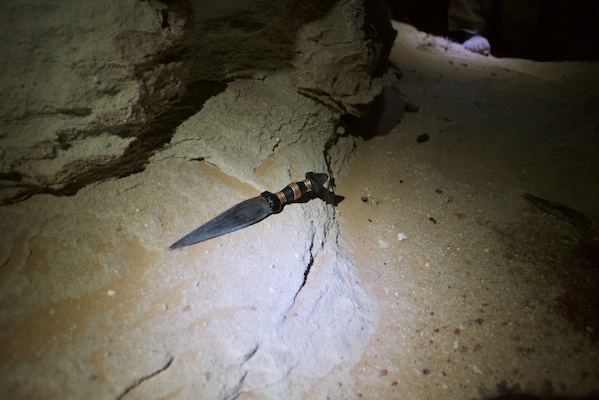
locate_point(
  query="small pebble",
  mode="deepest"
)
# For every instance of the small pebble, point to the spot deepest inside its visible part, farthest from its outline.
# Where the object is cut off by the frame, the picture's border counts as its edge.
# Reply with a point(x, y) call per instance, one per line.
point(111, 292)
point(423, 138)
point(383, 244)
point(401, 236)
point(374, 274)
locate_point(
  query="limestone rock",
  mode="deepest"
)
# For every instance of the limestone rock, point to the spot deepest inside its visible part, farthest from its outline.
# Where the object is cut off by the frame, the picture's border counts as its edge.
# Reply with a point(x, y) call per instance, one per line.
point(94, 303)
point(76, 74)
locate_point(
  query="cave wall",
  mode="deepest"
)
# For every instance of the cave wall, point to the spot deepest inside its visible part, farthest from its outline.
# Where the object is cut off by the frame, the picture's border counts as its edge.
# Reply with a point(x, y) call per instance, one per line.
point(80, 81)
point(90, 89)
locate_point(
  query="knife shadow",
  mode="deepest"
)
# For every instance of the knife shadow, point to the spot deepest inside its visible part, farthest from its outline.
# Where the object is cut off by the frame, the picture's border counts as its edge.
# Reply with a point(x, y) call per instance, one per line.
point(327, 195)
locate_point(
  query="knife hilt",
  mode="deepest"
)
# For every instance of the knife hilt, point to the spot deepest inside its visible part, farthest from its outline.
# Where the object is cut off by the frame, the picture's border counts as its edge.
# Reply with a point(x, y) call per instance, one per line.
point(313, 183)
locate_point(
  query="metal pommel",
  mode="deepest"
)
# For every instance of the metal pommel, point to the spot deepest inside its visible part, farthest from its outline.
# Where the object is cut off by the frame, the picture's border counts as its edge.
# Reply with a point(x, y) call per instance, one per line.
point(317, 180)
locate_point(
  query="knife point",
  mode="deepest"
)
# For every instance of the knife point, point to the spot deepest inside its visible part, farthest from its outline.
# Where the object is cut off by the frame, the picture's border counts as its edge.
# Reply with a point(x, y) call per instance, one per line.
point(176, 245)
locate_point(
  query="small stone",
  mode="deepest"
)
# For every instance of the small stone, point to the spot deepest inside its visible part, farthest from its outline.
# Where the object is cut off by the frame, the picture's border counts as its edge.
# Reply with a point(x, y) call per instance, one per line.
point(402, 236)
point(383, 244)
point(374, 274)
point(111, 292)
point(423, 138)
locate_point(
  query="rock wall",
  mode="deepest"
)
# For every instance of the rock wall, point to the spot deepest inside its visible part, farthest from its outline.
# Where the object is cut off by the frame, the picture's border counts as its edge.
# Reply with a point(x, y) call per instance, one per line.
point(80, 82)
point(90, 90)
point(193, 106)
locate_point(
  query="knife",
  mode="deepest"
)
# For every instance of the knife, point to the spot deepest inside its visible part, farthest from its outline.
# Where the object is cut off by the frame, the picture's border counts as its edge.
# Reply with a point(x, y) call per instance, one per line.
point(253, 210)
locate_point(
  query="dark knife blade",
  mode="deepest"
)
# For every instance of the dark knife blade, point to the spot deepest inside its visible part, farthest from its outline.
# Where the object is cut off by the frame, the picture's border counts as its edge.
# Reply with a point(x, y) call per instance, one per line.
point(252, 210)
point(237, 217)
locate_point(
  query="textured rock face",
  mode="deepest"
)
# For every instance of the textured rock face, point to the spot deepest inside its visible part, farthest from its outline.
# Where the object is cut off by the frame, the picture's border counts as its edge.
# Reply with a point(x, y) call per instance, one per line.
point(93, 303)
point(90, 90)
point(334, 47)
point(80, 81)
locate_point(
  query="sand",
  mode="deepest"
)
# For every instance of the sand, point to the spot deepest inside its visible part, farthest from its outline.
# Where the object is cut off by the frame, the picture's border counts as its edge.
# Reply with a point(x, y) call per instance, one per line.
point(482, 290)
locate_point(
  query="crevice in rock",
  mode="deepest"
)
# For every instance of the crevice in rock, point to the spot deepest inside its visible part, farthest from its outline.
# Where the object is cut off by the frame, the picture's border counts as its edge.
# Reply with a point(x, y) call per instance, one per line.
point(144, 378)
point(11, 176)
point(235, 391)
point(165, 19)
point(306, 273)
point(247, 357)
point(75, 112)
point(324, 98)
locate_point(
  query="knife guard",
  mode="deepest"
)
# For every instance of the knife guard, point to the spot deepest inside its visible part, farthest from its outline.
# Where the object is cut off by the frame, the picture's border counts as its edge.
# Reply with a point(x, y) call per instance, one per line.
point(294, 191)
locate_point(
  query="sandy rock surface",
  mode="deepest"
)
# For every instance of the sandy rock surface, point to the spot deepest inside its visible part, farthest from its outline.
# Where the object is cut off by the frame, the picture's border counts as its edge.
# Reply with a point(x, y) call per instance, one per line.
point(479, 240)
point(80, 80)
point(90, 91)
point(94, 304)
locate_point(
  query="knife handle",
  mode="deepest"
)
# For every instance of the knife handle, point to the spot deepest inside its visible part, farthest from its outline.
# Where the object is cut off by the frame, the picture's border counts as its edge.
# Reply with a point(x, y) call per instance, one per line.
point(313, 183)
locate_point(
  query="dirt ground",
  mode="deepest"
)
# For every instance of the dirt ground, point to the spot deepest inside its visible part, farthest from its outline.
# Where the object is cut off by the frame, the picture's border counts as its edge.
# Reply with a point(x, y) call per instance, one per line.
point(474, 223)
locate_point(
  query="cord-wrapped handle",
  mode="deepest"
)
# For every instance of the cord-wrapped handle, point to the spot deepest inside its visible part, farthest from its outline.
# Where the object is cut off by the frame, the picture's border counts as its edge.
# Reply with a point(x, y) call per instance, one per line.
point(313, 183)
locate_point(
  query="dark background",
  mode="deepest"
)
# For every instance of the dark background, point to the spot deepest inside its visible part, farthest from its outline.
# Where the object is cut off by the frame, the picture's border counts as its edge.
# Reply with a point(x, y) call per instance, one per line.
point(567, 30)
